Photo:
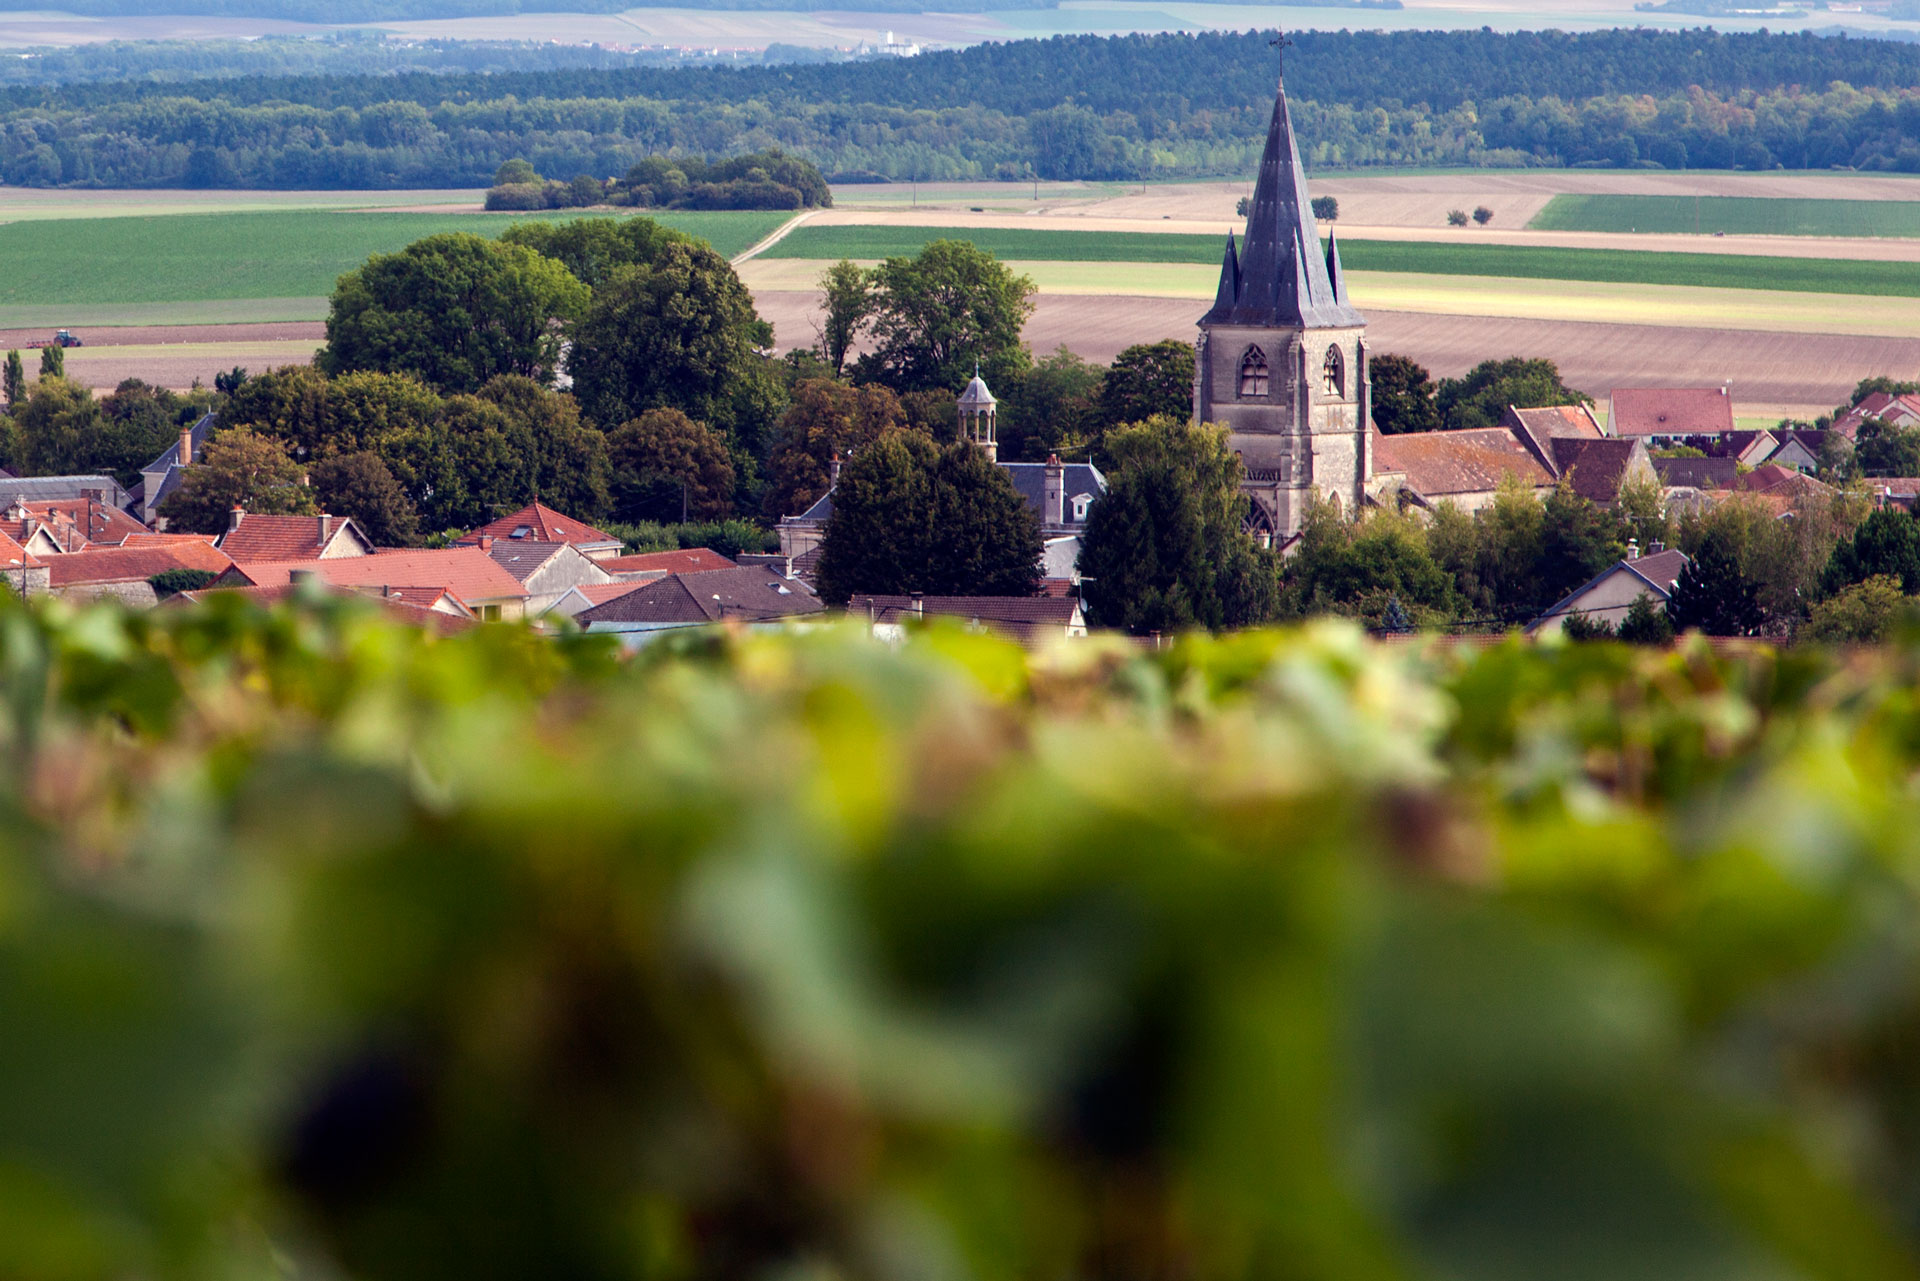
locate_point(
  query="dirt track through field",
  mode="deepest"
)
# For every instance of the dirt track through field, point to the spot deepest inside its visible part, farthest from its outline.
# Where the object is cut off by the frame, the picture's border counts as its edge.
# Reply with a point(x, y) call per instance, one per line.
point(148, 335)
point(1772, 374)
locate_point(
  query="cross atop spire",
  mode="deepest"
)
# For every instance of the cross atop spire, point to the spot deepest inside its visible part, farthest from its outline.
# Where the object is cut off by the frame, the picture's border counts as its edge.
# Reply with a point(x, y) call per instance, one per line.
point(1280, 277)
point(1282, 44)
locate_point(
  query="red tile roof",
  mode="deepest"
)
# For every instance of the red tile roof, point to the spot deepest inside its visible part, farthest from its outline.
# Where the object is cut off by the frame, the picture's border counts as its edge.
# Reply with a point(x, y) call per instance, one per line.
point(689, 560)
point(91, 521)
point(13, 555)
point(1671, 411)
point(469, 573)
point(404, 611)
point(1557, 420)
point(262, 537)
point(1441, 463)
point(131, 564)
point(165, 540)
point(539, 523)
point(601, 593)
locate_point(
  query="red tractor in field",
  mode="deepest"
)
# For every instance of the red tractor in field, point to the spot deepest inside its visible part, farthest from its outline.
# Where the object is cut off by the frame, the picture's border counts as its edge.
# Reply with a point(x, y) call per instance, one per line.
point(61, 338)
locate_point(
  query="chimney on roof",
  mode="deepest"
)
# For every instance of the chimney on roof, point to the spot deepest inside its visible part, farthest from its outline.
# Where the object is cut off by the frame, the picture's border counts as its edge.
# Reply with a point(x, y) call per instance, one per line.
point(833, 470)
point(1053, 505)
point(1633, 549)
point(186, 446)
point(235, 516)
point(1655, 547)
point(326, 528)
point(486, 542)
point(917, 604)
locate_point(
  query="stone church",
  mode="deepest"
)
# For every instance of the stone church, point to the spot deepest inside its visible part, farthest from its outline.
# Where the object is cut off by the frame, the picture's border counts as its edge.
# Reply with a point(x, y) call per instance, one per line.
point(1281, 359)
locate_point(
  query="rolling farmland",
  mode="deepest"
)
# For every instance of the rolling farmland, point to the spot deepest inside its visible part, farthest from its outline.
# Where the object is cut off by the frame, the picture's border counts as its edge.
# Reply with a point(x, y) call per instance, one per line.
point(1524, 262)
point(291, 256)
point(1734, 215)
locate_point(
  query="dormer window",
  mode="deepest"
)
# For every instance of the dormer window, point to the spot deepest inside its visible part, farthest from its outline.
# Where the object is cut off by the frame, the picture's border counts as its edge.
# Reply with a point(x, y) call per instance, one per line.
point(1080, 504)
point(1253, 374)
point(1334, 374)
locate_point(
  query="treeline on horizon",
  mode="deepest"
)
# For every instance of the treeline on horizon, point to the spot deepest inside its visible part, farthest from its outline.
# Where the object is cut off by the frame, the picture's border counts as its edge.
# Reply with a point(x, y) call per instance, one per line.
point(1131, 107)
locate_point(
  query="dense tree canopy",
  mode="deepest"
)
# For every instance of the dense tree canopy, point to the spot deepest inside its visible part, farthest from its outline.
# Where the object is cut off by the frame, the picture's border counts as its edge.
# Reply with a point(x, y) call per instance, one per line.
point(937, 316)
point(237, 468)
point(913, 516)
point(668, 467)
point(454, 309)
point(825, 419)
point(1165, 547)
point(1402, 395)
point(1480, 397)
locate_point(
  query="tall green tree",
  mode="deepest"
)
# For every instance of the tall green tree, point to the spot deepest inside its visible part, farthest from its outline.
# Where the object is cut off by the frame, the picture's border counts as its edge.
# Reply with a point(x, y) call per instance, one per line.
point(910, 515)
point(1882, 449)
point(360, 485)
point(593, 248)
point(1482, 395)
point(1714, 595)
point(53, 361)
point(666, 467)
point(1365, 570)
point(1886, 544)
point(1577, 541)
point(826, 419)
point(58, 429)
point(1165, 546)
point(237, 468)
point(1148, 380)
point(938, 314)
point(456, 310)
point(678, 332)
point(847, 296)
point(1403, 395)
point(14, 387)
point(1052, 408)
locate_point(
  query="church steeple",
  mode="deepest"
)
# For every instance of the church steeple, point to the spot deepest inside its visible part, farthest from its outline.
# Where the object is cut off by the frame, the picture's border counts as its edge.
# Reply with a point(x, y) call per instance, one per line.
point(1281, 279)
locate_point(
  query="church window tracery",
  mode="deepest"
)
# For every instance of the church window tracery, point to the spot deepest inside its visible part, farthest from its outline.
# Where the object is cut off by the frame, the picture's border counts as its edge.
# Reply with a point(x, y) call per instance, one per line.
point(1253, 374)
point(1334, 374)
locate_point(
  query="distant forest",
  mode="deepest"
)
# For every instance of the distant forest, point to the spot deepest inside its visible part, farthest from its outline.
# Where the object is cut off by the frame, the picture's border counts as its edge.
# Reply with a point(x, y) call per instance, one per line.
point(1131, 107)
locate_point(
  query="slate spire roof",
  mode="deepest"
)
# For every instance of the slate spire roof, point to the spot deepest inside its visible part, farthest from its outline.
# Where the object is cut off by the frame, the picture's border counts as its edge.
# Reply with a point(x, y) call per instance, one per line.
point(1279, 277)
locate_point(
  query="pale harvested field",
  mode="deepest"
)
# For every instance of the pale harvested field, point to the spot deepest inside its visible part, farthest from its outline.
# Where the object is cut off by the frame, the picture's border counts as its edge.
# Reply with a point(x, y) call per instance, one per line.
point(1100, 216)
point(1596, 302)
point(1366, 201)
point(1772, 374)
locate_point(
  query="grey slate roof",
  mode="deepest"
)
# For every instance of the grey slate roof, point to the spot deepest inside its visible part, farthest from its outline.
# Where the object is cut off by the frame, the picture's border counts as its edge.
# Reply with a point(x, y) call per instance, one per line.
point(170, 457)
point(1278, 276)
point(1697, 473)
point(748, 593)
point(46, 489)
point(522, 559)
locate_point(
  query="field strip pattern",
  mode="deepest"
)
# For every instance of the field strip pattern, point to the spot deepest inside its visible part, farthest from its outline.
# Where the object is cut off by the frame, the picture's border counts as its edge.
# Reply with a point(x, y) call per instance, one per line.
point(1739, 215)
point(1623, 266)
point(1772, 374)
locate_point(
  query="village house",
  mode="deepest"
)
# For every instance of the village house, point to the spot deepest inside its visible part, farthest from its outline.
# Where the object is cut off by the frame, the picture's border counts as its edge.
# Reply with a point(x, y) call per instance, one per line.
point(687, 560)
point(546, 570)
point(124, 573)
point(1031, 620)
point(254, 537)
point(1666, 415)
point(1893, 410)
point(1535, 447)
point(1611, 593)
point(434, 611)
point(539, 523)
point(162, 476)
point(750, 595)
point(467, 574)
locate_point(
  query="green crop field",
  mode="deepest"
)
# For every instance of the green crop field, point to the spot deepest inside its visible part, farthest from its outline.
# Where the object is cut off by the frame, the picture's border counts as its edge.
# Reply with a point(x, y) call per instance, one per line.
point(1736, 215)
point(292, 254)
point(1618, 266)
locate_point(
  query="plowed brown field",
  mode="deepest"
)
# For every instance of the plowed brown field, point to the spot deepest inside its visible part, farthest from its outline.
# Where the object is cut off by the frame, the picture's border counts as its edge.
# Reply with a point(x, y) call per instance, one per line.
point(1772, 374)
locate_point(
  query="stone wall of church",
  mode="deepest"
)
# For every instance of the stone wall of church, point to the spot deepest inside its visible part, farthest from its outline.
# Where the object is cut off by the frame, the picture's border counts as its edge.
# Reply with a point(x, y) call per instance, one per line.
point(1298, 429)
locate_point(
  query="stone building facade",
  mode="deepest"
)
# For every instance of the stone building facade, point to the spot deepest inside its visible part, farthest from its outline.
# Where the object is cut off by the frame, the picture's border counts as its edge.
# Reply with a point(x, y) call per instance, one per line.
point(1281, 358)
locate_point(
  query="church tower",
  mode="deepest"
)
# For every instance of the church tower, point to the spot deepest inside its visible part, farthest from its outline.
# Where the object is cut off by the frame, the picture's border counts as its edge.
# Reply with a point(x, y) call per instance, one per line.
point(978, 416)
point(1282, 356)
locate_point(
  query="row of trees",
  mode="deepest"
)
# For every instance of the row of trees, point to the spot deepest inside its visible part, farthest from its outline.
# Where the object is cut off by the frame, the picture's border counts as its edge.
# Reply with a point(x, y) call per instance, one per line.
point(768, 179)
point(1084, 107)
point(1406, 398)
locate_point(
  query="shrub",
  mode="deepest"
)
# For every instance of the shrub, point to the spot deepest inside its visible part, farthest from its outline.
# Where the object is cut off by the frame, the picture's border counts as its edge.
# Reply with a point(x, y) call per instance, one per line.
point(1483, 215)
point(1456, 217)
point(1326, 208)
point(174, 581)
point(517, 197)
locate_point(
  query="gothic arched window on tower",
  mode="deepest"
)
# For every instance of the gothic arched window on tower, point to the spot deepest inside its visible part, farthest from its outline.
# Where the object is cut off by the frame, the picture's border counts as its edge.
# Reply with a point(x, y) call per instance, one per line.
point(1253, 374)
point(1334, 374)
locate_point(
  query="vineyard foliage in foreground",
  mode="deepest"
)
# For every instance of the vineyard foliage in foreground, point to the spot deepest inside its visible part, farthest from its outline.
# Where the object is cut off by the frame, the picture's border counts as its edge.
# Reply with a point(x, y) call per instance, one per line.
point(331, 949)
